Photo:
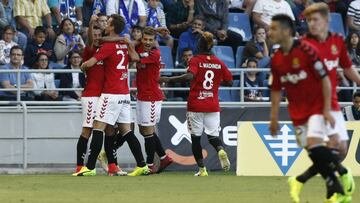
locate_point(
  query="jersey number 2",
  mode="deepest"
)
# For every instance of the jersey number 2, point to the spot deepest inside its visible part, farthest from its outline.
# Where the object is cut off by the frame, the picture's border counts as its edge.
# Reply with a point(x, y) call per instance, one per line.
point(208, 82)
point(120, 65)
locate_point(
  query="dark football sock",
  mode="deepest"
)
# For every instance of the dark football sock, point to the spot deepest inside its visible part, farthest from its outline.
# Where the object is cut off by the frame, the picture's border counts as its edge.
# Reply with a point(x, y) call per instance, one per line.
point(215, 142)
point(197, 150)
point(322, 159)
point(159, 148)
point(110, 150)
point(81, 150)
point(135, 148)
point(95, 148)
point(309, 173)
point(150, 146)
point(119, 141)
point(337, 162)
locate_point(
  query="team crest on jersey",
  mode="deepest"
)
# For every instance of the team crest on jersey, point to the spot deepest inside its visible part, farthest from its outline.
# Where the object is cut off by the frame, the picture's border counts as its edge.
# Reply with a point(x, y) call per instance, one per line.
point(334, 49)
point(295, 63)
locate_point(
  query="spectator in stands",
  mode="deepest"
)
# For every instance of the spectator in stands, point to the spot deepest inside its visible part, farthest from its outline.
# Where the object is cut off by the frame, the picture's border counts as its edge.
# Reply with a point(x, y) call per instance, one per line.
point(7, 18)
point(102, 21)
point(252, 80)
point(89, 8)
point(264, 10)
point(190, 38)
point(156, 19)
point(29, 15)
point(44, 80)
point(72, 80)
point(258, 48)
point(61, 9)
point(67, 41)
point(353, 47)
point(9, 80)
point(186, 55)
point(133, 12)
point(38, 44)
point(6, 44)
point(353, 16)
point(216, 14)
point(298, 7)
point(241, 6)
point(180, 16)
point(352, 113)
point(136, 34)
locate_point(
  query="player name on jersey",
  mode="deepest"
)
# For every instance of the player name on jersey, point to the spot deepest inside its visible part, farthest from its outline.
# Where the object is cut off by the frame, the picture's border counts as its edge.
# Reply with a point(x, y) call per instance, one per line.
point(210, 65)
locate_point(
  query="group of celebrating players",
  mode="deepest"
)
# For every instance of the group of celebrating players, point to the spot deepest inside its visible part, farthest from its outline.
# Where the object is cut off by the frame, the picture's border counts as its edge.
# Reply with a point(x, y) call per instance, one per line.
point(106, 100)
point(306, 68)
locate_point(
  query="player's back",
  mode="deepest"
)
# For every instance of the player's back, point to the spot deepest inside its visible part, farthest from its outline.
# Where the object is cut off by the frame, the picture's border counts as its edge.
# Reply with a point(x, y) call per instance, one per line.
point(208, 73)
point(334, 55)
point(116, 60)
point(295, 72)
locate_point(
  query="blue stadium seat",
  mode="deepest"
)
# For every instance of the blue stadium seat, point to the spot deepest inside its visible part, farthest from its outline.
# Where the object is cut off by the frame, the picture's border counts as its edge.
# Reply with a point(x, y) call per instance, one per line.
point(238, 57)
point(225, 95)
point(242, 22)
point(336, 24)
point(167, 59)
point(225, 53)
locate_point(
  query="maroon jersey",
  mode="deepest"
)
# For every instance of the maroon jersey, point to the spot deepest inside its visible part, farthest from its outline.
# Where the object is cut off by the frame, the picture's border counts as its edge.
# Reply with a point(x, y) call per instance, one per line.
point(300, 73)
point(147, 76)
point(208, 73)
point(116, 61)
point(94, 76)
point(334, 53)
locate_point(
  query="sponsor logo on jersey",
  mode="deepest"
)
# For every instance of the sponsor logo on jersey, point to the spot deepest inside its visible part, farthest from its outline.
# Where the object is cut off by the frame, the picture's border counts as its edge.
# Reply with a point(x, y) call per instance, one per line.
point(293, 78)
point(283, 147)
point(331, 64)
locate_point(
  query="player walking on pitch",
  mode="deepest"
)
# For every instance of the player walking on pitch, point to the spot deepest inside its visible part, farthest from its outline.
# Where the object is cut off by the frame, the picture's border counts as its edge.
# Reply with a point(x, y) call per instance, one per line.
point(297, 68)
point(206, 73)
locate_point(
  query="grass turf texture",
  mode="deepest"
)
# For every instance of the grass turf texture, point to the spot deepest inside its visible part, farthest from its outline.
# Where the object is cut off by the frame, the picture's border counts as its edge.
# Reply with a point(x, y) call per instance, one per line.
point(166, 187)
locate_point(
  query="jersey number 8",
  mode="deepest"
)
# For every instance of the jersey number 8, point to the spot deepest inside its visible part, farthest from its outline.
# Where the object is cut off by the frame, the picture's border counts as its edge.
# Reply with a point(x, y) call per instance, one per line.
point(208, 82)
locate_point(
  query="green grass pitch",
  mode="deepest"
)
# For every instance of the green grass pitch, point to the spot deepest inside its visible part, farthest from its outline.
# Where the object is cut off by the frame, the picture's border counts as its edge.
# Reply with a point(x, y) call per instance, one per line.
point(170, 187)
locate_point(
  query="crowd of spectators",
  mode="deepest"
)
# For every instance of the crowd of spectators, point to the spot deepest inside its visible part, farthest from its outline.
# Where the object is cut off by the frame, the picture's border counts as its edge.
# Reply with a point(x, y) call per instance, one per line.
point(51, 34)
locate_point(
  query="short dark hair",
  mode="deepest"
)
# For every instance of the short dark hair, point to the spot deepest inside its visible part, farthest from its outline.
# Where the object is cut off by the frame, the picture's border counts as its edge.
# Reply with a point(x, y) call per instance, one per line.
point(8, 27)
point(286, 22)
point(356, 94)
point(118, 22)
point(101, 14)
point(251, 59)
point(137, 27)
point(95, 27)
point(185, 50)
point(39, 29)
point(16, 47)
point(198, 17)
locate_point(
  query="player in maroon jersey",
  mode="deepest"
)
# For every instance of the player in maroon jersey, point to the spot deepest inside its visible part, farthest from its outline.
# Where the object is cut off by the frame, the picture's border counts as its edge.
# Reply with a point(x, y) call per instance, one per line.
point(91, 93)
point(206, 73)
point(334, 55)
point(297, 68)
point(149, 98)
point(114, 102)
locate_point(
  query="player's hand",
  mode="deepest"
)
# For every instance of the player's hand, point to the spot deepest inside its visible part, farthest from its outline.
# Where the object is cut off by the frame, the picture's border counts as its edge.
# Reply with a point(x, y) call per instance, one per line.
point(164, 80)
point(93, 19)
point(274, 127)
point(84, 67)
point(329, 118)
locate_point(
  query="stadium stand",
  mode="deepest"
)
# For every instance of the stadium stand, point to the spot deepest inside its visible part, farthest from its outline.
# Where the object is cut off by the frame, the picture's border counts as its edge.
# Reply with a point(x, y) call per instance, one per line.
point(238, 56)
point(336, 24)
point(166, 58)
point(225, 53)
point(242, 22)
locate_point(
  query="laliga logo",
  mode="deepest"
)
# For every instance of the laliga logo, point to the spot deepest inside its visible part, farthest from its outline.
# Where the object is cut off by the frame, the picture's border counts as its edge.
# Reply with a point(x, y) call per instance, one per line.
point(283, 147)
point(181, 134)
